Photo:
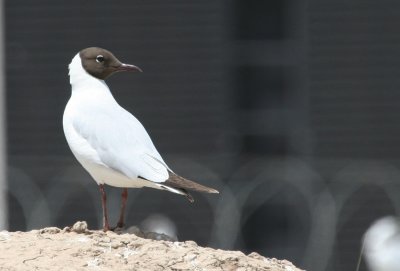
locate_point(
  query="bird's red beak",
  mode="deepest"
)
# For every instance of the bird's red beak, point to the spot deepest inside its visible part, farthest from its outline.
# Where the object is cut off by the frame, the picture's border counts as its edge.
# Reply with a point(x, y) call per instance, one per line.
point(129, 67)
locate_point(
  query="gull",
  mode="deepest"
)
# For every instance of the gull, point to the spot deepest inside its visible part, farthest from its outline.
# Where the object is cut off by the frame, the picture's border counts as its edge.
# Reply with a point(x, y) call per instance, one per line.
point(382, 244)
point(108, 141)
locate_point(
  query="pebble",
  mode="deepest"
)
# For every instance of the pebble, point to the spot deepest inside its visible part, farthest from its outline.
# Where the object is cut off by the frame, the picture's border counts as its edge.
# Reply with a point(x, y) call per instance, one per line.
point(80, 227)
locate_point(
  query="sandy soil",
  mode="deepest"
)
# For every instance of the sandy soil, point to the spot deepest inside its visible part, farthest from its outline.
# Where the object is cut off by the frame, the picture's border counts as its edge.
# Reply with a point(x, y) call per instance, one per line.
point(77, 248)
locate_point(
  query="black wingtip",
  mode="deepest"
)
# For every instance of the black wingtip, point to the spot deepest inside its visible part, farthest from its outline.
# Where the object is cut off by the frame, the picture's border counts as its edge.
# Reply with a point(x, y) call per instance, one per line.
point(189, 197)
point(177, 181)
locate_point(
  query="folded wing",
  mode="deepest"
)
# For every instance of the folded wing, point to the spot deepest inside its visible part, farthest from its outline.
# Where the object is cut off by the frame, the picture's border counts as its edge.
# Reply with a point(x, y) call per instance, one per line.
point(122, 144)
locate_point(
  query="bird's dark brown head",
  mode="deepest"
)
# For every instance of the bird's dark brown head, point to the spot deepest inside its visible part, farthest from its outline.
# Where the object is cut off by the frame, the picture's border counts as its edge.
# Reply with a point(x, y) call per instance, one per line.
point(101, 63)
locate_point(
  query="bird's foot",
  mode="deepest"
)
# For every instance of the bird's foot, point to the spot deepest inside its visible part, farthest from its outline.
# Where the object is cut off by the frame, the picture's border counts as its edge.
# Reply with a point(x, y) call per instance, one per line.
point(120, 225)
point(117, 229)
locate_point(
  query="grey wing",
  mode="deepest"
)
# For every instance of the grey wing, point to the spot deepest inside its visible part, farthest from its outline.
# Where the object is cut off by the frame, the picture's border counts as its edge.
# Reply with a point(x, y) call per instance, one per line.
point(123, 144)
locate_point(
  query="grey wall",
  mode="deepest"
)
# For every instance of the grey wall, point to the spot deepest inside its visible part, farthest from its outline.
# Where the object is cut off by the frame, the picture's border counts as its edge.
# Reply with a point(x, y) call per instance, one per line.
point(287, 107)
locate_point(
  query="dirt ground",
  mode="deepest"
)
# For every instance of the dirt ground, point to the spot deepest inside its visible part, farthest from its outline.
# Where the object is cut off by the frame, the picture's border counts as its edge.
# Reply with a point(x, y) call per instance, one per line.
point(78, 248)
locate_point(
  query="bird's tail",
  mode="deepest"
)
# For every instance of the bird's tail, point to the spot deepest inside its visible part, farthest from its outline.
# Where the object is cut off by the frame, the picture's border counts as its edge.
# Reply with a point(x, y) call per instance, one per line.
point(180, 185)
point(177, 191)
point(179, 182)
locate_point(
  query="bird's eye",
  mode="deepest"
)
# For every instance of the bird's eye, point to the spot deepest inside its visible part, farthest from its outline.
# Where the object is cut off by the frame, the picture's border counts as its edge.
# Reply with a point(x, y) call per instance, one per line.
point(100, 59)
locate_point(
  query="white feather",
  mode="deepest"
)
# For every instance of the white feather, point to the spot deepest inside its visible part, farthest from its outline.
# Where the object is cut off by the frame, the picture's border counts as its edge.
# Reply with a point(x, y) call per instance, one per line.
point(382, 245)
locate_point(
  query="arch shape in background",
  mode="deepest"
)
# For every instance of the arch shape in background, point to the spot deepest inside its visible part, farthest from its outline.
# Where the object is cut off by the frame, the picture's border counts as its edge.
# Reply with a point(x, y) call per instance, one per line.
point(34, 205)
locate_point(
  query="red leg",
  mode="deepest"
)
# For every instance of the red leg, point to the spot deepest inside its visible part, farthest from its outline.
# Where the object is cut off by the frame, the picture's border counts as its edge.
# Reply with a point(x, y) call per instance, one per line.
point(106, 226)
point(124, 197)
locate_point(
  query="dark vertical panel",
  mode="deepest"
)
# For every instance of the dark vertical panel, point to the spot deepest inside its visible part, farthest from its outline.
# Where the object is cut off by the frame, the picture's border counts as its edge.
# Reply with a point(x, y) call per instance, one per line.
point(260, 20)
point(354, 60)
point(354, 108)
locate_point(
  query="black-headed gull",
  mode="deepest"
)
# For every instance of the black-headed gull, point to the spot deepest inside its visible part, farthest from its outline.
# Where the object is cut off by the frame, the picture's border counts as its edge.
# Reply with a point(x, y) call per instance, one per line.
point(108, 141)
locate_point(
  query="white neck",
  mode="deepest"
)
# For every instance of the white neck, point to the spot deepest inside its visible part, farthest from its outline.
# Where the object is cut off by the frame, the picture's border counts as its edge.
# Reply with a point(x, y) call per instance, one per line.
point(82, 81)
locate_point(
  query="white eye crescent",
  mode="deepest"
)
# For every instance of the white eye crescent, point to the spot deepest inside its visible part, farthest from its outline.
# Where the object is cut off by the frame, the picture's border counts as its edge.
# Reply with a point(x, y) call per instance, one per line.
point(100, 59)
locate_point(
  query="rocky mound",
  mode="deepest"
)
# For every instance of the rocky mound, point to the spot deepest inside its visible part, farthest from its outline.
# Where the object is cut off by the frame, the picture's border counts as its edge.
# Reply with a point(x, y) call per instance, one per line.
point(78, 248)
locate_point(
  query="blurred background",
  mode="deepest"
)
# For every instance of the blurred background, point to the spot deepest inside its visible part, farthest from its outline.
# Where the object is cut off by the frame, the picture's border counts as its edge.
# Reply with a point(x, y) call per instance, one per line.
point(289, 108)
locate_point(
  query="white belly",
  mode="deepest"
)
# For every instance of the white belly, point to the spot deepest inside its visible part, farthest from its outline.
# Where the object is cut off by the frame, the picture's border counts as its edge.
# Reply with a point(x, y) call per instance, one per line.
point(105, 175)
